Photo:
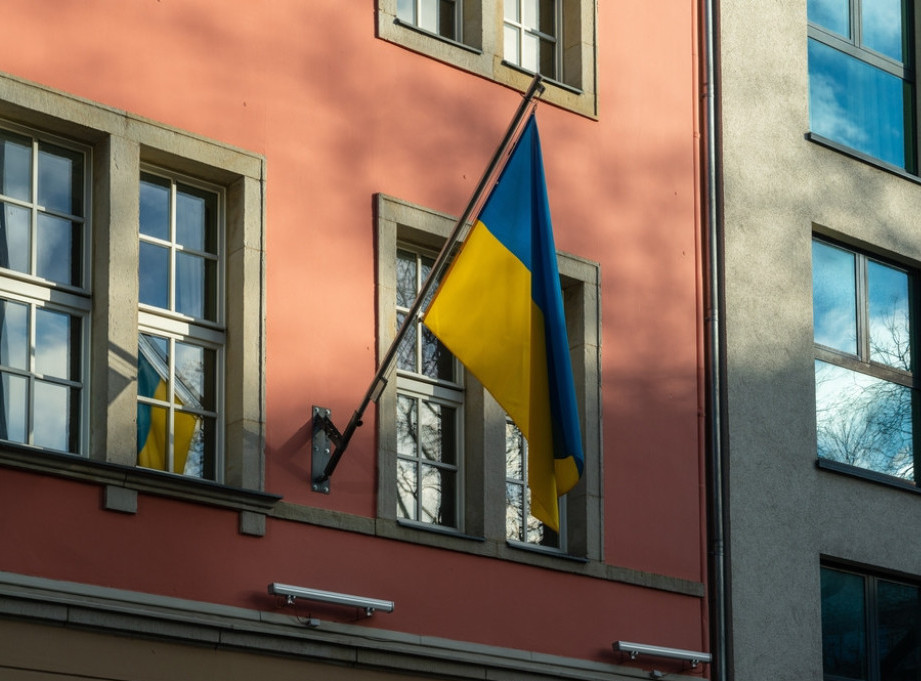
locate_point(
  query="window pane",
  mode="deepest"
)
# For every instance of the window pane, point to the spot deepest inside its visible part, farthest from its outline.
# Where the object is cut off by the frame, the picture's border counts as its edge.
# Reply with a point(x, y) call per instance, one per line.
point(54, 410)
point(512, 12)
point(889, 316)
point(899, 618)
point(57, 255)
point(834, 15)
point(60, 179)
point(153, 437)
point(196, 219)
point(447, 19)
point(406, 10)
point(857, 104)
point(406, 353)
point(195, 376)
point(547, 21)
point(57, 344)
point(14, 397)
point(863, 421)
point(406, 426)
point(834, 295)
point(196, 284)
point(530, 52)
point(153, 275)
point(14, 335)
point(428, 15)
point(844, 650)
point(514, 512)
point(514, 452)
point(15, 166)
point(189, 444)
point(406, 490)
point(436, 495)
point(437, 432)
point(153, 367)
point(881, 23)
point(155, 210)
point(406, 279)
point(437, 361)
point(530, 13)
point(548, 58)
point(15, 238)
point(510, 46)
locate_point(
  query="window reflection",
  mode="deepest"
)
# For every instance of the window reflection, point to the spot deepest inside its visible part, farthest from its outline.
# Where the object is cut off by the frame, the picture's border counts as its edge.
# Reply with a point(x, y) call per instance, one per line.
point(834, 297)
point(890, 342)
point(864, 421)
point(834, 15)
point(881, 26)
point(858, 105)
point(15, 166)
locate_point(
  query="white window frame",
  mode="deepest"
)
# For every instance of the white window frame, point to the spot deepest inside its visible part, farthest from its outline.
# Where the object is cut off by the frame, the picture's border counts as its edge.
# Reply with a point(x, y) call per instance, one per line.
point(522, 30)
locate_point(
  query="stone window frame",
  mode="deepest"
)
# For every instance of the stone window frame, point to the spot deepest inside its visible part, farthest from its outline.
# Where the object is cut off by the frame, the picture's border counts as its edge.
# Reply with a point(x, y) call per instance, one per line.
point(484, 422)
point(121, 144)
point(482, 47)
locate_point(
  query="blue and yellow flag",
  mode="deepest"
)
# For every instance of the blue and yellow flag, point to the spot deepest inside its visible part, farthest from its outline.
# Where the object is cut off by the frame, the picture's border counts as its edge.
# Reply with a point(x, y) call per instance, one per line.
point(499, 309)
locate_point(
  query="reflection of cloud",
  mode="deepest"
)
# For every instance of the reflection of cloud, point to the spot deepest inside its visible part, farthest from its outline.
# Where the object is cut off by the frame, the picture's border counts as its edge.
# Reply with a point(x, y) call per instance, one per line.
point(882, 27)
point(828, 116)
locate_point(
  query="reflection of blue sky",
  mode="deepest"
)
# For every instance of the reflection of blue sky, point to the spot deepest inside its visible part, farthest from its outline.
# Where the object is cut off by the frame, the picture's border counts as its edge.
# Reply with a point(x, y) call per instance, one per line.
point(154, 208)
point(881, 25)
point(54, 257)
point(889, 316)
point(60, 180)
point(153, 275)
point(15, 399)
point(834, 297)
point(16, 231)
point(14, 335)
point(863, 421)
point(54, 343)
point(856, 104)
point(16, 171)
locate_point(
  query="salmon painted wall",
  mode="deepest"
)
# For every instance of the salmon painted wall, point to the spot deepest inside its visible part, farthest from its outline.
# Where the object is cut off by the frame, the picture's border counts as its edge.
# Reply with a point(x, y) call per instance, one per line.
point(339, 116)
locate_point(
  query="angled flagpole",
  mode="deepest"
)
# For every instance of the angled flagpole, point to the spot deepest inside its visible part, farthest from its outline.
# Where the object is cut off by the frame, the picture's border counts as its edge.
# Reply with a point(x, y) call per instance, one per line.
point(325, 433)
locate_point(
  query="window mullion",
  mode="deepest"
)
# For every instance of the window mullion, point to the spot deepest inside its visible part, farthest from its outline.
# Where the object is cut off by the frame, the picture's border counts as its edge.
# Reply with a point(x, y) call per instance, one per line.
point(863, 313)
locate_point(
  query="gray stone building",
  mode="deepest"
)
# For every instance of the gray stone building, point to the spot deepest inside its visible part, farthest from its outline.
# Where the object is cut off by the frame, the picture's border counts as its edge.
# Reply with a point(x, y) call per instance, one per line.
point(818, 220)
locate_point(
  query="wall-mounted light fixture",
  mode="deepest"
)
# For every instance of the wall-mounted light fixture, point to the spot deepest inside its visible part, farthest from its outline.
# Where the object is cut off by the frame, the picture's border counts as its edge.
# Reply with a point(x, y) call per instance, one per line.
point(634, 649)
point(293, 592)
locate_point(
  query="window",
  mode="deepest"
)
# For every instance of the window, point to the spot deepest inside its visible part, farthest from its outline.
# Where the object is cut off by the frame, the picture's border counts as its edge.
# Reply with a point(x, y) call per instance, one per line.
point(530, 31)
point(44, 292)
point(441, 17)
point(430, 403)
point(504, 40)
point(450, 461)
point(864, 368)
point(180, 344)
point(862, 78)
point(870, 627)
point(135, 338)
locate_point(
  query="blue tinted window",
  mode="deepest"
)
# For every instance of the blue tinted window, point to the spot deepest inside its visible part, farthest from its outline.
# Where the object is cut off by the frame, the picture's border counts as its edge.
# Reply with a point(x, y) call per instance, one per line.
point(858, 105)
point(833, 15)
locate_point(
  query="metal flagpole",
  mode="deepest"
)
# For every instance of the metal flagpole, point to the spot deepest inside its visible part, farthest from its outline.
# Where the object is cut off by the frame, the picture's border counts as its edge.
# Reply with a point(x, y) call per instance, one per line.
point(324, 431)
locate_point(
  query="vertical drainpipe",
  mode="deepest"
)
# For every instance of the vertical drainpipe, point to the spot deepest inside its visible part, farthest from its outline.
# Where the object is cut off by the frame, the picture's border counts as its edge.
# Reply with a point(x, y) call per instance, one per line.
point(714, 334)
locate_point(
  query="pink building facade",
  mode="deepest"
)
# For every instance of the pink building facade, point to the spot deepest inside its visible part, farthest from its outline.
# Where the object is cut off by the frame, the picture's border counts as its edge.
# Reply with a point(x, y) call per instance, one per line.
point(213, 219)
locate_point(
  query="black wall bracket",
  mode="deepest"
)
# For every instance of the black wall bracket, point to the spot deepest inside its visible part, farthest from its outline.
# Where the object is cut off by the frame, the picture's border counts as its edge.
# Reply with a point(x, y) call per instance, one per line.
point(326, 437)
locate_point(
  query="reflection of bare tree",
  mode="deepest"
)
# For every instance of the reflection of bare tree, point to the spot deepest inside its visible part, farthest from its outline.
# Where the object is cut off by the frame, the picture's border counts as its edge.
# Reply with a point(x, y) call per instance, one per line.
point(520, 524)
point(864, 421)
point(426, 468)
point(890, 341)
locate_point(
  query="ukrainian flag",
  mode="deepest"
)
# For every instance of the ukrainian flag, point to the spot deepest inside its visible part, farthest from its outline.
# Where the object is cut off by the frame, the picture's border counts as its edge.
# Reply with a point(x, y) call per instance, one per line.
point(499, 309)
